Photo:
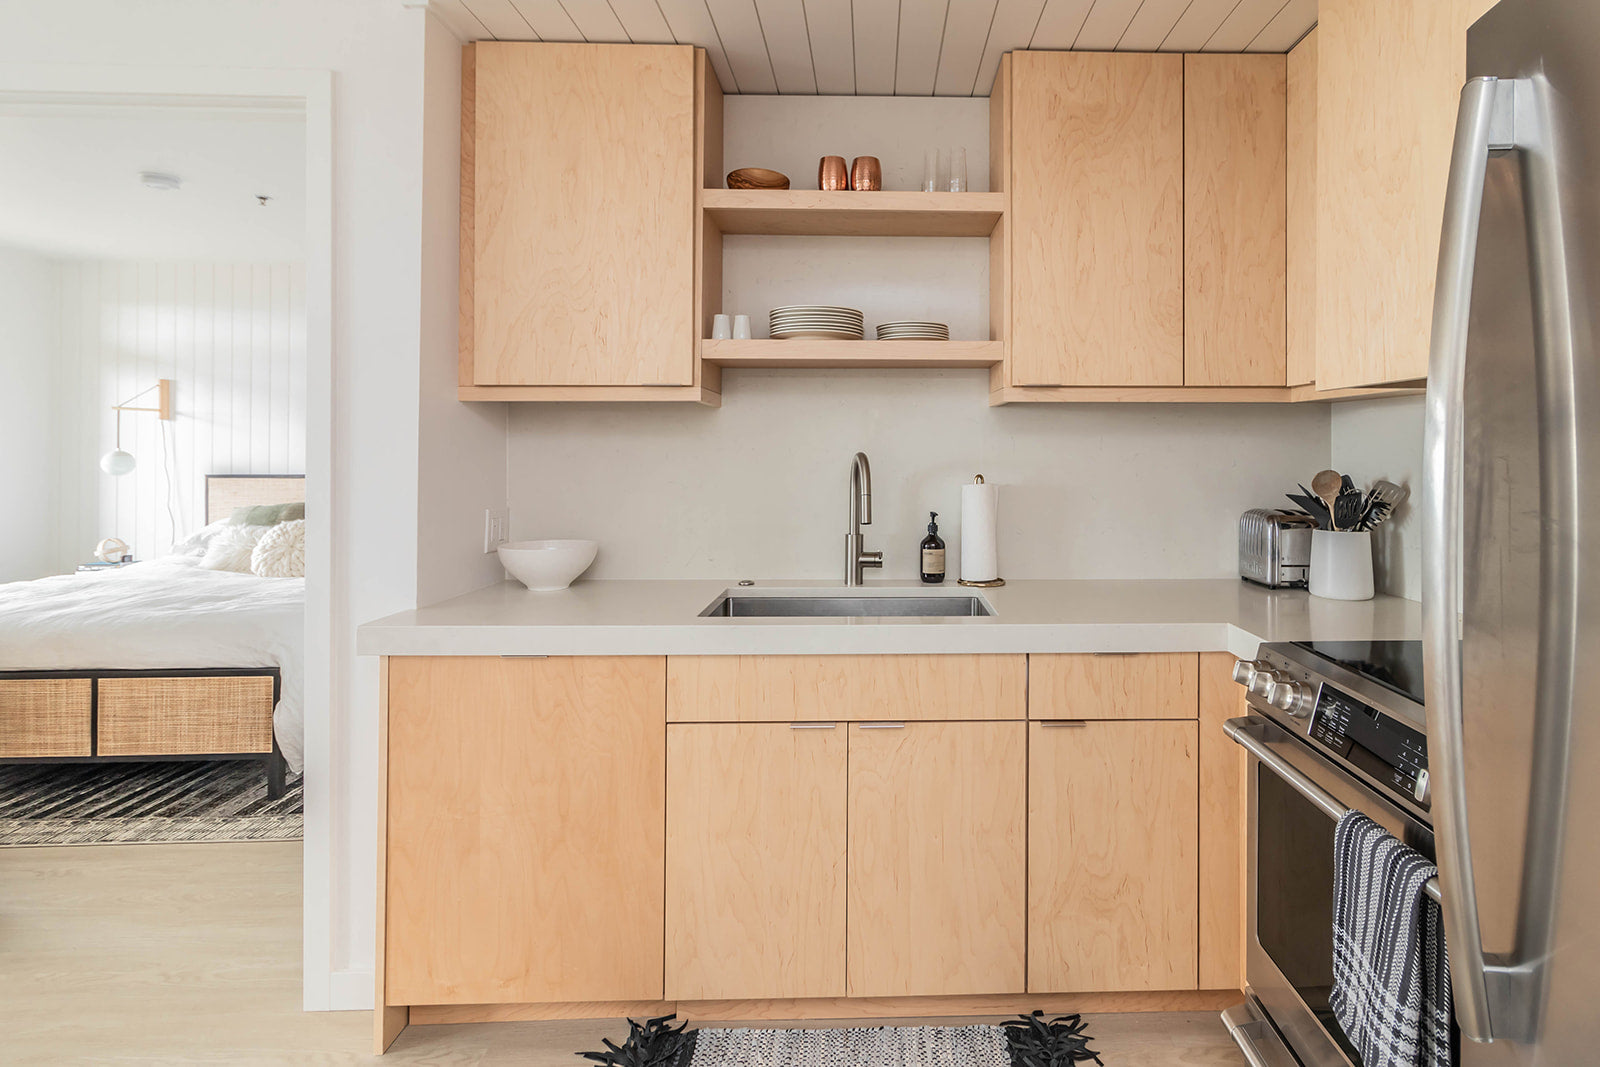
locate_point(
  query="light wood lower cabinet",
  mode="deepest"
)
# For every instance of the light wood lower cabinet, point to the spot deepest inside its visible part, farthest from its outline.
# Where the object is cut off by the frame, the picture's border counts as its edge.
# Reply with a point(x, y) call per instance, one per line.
point(1112, 830)
point(524, 840)
point(845, 688)
point(755, 860)
point(1150, 685)
point(938, 863)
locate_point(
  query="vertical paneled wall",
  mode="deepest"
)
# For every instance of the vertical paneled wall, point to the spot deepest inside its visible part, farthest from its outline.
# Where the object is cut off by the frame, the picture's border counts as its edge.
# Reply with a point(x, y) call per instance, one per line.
point(230, 336)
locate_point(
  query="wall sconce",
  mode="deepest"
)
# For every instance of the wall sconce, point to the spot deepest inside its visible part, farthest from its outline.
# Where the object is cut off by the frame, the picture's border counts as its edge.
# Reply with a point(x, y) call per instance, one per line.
point(117, 462)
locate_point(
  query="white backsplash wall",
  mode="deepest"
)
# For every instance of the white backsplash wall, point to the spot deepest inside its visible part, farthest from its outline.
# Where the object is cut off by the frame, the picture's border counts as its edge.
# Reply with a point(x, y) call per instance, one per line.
point(1374, 439)
point(232, 339)
point(758, 488)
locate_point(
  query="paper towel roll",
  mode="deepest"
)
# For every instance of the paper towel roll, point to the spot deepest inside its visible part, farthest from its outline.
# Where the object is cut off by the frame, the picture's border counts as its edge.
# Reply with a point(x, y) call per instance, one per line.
point(980, 557)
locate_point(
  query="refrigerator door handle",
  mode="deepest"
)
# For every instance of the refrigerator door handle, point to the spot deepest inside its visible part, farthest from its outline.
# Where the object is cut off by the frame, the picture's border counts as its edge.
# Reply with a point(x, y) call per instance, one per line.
point(1498, 998)
point(1482, 100)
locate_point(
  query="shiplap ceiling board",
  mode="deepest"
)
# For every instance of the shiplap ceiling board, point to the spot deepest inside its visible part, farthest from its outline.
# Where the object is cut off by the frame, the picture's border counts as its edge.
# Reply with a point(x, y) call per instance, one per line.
point(886, 47)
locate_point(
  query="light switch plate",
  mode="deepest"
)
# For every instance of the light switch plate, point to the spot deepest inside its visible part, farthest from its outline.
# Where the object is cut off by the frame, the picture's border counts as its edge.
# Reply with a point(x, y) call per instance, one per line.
point(496, 528)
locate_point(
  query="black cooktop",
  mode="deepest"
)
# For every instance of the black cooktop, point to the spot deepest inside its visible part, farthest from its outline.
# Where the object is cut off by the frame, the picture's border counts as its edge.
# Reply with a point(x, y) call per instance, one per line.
point(1396, 665)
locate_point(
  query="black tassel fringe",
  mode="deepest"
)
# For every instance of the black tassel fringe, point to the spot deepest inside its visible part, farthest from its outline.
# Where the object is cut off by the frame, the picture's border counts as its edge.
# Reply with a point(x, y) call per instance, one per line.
point(1035, 1041)
point(653, 1043)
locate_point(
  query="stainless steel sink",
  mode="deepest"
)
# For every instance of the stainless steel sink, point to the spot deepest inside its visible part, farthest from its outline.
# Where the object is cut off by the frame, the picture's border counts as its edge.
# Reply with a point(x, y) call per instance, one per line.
point(833, 607)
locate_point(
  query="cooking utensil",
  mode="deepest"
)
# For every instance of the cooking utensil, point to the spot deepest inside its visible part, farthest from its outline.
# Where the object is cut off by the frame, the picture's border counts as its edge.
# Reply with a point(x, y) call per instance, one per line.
point(1313, 507)
point(1327, 486)
point(832, 174)
point(757, 178)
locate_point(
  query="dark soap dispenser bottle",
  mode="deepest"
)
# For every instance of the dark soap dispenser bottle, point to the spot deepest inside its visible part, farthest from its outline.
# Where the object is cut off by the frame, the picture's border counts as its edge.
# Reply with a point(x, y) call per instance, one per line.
point(933, 552)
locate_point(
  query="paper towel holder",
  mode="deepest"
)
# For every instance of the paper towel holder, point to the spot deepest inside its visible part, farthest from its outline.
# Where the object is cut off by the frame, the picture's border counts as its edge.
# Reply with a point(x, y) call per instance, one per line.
point(977, 479)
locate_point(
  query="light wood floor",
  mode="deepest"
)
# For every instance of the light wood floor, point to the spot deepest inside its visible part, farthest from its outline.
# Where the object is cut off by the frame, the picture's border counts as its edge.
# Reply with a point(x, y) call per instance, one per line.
point(190, 954)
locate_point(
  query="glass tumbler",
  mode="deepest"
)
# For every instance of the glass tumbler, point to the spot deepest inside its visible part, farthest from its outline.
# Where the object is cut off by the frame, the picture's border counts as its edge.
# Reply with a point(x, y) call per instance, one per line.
point(930, 171)
point(958, 170)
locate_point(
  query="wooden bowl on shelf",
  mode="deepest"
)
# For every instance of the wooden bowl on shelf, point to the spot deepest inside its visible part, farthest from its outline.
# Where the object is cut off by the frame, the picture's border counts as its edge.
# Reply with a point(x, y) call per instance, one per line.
point(757, 178)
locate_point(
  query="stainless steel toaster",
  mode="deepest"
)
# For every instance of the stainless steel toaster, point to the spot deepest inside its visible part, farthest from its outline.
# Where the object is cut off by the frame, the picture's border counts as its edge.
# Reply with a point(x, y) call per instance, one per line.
point(1275, 547)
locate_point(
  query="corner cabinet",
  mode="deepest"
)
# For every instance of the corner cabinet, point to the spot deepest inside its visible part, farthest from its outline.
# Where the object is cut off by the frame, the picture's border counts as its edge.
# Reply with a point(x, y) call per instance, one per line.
point(580, 165)
point(1381, 180)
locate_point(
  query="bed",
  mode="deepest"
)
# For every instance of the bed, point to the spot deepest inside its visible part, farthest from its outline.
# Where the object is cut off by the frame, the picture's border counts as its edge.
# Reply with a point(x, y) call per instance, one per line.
point(161, 659)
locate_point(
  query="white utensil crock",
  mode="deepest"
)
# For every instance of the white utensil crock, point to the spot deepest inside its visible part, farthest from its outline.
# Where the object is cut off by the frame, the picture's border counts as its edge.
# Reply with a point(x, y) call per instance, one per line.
point(1341, 564)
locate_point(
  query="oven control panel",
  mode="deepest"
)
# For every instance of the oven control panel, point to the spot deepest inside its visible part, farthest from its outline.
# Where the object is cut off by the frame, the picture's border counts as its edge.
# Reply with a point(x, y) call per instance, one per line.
point(1371, 741)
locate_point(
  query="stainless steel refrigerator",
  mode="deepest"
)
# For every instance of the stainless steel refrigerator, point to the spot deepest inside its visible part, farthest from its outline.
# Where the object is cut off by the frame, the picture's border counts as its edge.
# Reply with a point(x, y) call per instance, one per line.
point(1511, 561)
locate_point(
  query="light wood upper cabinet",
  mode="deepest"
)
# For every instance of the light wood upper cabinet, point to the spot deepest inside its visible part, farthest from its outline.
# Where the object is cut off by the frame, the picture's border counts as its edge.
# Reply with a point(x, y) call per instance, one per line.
point(523, 842)
point(1302, 212)
point(938, 864)
point(578, 215)
point(755, 861)
point(1388, 79)
point(1112, 882)
point(1234, 133)
point(1096, 220)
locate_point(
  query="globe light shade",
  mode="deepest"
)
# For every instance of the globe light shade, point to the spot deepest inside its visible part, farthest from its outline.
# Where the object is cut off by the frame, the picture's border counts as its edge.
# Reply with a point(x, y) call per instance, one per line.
point(117, 462)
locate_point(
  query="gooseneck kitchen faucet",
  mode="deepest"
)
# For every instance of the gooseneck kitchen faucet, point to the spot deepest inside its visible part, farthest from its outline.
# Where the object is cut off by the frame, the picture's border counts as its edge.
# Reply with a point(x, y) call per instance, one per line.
point(856, 557)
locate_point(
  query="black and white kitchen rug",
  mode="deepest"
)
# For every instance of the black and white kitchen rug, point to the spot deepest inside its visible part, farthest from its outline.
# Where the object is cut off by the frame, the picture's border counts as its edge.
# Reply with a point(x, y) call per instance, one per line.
point(1029, 1041)
point(144, 803)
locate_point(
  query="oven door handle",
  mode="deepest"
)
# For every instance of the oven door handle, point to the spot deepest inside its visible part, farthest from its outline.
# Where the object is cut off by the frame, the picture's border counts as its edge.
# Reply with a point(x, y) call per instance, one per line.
point(1247, 733)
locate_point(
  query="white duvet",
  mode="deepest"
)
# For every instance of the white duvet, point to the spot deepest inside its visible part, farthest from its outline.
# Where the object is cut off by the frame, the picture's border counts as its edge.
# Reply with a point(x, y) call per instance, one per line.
point(164, 613)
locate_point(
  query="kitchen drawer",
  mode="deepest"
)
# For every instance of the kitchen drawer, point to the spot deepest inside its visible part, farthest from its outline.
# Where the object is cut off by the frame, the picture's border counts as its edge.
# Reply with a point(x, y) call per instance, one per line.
point(185, 715)
point(45, 717)
point(1146, 685)
point(845, 688)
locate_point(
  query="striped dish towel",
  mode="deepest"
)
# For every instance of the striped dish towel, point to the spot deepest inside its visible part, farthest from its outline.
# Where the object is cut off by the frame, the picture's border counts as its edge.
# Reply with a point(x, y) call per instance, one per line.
point(1391, 977)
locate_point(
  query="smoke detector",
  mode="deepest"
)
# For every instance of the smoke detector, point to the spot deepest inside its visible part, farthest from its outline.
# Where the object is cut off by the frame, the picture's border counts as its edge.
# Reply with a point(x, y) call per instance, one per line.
point(154, 179)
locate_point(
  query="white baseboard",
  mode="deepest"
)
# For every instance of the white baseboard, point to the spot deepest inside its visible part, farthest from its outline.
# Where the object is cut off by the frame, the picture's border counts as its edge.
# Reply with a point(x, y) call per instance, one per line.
point(350, 991)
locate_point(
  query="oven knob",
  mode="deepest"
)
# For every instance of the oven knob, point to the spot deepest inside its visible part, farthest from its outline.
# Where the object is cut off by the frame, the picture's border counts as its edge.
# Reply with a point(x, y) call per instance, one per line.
point(1245, 670)
point(1293, 697)
point(1261, 681)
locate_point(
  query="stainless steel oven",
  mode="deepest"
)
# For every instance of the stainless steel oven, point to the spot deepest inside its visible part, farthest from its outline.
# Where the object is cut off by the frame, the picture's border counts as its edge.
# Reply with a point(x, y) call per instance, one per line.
point(1324, 736)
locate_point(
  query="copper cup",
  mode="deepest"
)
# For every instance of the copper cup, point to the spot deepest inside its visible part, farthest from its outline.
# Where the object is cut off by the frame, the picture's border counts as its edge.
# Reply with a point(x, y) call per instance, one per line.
point(866, 174)
point(831, 174)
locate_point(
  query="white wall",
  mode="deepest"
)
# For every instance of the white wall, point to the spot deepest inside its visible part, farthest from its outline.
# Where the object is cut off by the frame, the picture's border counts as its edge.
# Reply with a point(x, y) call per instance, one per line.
point(462, 447)
point(231, 336)
point(1373, 439)
point(29, 437)
point(758, 488)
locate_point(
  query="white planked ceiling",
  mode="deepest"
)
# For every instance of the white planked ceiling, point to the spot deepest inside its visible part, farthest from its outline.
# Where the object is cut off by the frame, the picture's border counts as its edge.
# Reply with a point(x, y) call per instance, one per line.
point(886, 47)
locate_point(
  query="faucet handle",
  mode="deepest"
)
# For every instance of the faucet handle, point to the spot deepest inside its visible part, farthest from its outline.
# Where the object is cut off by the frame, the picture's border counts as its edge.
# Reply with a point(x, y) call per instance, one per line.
point(872, 559)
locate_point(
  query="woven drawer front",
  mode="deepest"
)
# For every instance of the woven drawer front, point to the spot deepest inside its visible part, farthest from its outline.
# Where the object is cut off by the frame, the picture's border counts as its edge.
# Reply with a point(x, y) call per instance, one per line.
point(44, 716)
point(185, 716)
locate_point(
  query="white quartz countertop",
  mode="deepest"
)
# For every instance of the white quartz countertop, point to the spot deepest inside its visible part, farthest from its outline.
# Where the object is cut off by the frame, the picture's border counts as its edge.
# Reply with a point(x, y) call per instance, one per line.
point(663, 618)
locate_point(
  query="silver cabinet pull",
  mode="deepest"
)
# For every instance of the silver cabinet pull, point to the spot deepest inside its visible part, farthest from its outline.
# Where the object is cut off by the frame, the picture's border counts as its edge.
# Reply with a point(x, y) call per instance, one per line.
point(880, 726)
point(812, 725)
point(1058, 723)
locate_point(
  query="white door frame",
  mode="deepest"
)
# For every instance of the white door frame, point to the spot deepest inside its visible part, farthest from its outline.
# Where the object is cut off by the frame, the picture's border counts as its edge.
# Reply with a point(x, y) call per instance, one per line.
point(311, 90)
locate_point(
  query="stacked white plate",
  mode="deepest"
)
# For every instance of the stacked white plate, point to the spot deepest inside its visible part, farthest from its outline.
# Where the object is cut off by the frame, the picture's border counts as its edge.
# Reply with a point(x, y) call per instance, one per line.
point(913, 331)
point(817, 320)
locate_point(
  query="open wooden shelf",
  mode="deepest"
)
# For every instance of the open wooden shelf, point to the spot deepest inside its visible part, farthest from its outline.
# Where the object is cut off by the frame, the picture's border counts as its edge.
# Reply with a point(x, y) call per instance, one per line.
point(804, 352)
point(809, 212)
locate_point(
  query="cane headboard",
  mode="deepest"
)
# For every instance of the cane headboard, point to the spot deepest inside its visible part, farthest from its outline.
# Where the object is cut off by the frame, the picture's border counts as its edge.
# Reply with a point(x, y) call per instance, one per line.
point(224, 492)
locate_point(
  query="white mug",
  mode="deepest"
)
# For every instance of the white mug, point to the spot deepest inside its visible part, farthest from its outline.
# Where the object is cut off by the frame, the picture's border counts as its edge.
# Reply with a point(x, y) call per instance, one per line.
point(741, 327)
point(721, 328)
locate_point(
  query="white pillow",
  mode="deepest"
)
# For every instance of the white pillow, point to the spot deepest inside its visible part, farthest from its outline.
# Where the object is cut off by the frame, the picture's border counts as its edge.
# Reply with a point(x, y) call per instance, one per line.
point(281, 552)
point(197, 543)
point(230, 548)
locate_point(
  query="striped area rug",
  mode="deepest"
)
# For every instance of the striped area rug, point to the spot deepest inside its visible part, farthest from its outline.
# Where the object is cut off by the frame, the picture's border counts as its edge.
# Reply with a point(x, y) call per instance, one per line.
point(144, 803)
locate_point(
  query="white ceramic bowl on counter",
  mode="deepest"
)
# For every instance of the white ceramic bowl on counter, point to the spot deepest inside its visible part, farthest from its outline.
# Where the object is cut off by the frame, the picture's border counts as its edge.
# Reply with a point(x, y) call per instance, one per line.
point(545, 566)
